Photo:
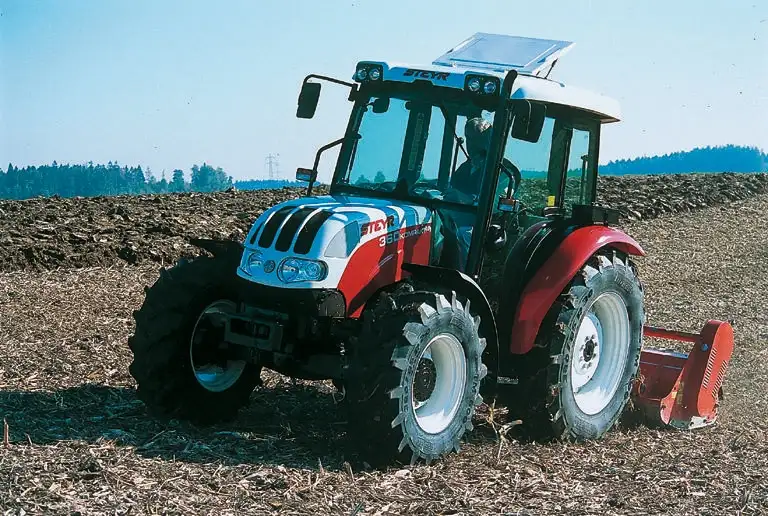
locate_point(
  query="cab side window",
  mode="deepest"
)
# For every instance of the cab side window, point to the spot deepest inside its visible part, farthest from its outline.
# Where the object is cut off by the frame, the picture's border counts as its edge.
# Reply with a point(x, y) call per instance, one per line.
point(533, 161)
point(581, 166)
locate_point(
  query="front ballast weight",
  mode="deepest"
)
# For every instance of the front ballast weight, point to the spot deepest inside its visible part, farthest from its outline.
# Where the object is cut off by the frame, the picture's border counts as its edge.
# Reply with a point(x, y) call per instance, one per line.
point(415, 379)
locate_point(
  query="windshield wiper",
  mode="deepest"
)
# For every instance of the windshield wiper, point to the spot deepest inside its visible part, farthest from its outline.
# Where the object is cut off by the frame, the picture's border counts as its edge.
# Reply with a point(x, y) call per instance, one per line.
point(357, 138)
point(456, 137)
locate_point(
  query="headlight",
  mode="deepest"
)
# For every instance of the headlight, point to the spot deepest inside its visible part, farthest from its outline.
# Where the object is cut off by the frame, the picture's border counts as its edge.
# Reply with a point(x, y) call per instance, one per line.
point(292, 270)
point(252, 262)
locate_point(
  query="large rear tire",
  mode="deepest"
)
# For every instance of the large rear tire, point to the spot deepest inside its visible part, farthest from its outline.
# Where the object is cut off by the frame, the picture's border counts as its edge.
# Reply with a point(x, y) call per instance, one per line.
point(576, 383)
point(414, 379)
point(179, 364)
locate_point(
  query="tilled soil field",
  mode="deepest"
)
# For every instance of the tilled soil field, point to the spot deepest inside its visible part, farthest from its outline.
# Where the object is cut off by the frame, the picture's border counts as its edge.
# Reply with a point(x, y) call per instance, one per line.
point(41, 234)
point(78, 441)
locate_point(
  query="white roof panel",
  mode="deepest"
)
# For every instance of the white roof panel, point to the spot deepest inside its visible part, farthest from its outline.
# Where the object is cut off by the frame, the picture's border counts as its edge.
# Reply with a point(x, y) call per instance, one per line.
point(498, 52)
point(545, 90)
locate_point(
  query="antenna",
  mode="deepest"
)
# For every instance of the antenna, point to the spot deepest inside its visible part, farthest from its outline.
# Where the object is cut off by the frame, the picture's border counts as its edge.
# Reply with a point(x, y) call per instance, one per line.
point(272, 164)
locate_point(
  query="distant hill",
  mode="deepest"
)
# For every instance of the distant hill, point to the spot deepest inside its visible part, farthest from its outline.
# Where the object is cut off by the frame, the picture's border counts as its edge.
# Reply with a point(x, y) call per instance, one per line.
point(728, 158)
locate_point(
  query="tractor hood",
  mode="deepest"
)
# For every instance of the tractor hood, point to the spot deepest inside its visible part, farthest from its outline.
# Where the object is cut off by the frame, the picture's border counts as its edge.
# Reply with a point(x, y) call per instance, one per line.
point(319, 235)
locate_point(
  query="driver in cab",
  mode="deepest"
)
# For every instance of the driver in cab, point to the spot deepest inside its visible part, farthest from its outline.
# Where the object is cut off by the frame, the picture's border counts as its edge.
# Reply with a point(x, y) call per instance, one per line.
point(468, 178)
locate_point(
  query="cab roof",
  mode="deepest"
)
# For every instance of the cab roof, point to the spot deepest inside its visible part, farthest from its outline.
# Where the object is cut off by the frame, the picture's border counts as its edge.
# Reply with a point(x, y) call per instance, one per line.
point(493, 55)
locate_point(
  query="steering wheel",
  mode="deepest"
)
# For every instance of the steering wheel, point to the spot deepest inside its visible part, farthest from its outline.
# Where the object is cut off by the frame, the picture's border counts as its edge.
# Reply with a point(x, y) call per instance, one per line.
point(456, 195)
point(386, 186)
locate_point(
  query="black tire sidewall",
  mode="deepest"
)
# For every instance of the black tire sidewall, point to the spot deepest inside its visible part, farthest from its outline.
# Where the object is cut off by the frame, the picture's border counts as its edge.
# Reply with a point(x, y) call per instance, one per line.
point(167, 383)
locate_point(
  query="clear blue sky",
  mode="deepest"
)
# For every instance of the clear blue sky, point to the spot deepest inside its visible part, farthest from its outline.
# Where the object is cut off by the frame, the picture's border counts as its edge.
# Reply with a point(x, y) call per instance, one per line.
point(167, 84)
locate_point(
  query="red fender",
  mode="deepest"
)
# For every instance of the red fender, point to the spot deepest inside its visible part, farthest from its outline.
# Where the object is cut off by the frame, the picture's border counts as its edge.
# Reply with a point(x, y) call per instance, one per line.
point(551, 279)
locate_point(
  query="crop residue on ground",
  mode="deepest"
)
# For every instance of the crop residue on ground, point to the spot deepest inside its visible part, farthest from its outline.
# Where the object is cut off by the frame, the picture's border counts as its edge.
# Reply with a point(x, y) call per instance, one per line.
point(79, 441)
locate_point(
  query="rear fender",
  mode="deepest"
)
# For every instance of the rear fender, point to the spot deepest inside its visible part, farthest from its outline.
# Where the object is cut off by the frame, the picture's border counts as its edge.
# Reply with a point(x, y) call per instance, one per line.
point(554, 275)
point(466, 287)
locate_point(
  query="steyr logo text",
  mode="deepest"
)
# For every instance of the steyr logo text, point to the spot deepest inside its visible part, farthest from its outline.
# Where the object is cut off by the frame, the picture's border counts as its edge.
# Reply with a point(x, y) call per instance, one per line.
point(376, 225)
point(426, 74)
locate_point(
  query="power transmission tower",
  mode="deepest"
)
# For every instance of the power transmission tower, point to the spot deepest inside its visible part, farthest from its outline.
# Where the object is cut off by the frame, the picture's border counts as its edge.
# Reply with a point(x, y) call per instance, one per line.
point(272, 164)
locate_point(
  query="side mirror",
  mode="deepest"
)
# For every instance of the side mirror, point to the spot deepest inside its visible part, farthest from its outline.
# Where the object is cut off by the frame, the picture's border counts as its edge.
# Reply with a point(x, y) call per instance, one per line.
point(306, 174)
point(508, 205)
point(529, 121)
point(381, 105)
point(308, 98)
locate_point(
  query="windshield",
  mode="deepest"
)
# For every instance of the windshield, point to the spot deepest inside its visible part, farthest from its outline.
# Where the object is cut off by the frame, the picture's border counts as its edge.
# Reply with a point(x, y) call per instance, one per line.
point(416, 149)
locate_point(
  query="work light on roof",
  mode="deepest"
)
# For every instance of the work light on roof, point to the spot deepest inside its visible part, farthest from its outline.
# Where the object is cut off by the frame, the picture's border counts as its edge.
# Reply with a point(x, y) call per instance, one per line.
point(368, 72)
point(482, 85)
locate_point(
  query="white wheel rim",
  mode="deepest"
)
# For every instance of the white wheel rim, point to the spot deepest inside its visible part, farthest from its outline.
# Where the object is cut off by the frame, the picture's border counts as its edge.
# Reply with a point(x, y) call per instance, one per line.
point(214, 377)
point(599, 355)
point(435, 413)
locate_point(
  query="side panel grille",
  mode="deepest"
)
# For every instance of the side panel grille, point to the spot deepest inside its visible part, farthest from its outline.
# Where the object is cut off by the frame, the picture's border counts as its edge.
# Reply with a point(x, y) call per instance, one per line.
point(719, 380)
point(710, 365)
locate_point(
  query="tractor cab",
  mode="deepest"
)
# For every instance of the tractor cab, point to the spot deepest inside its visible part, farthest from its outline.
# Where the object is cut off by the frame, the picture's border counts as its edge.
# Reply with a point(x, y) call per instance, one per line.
point(535, 155)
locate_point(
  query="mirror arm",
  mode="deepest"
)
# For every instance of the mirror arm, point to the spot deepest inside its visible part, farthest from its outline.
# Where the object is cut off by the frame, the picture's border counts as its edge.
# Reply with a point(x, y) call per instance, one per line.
point(351, 85)
point(317, 160)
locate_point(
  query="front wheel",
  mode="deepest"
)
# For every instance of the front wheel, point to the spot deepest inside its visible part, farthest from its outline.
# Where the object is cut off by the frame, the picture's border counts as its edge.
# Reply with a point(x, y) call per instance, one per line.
point(414, 379)
point(578, 382)
point(181, 363)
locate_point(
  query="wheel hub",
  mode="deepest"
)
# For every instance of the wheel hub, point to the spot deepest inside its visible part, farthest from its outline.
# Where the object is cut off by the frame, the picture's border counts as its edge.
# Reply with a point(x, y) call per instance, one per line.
point(590, 348)
point(425, 380)
point(207, 353)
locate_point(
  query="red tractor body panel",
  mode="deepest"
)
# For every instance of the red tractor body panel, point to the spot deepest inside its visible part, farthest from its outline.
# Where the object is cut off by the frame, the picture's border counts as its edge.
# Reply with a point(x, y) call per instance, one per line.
point(551, 279)
point(378, 263)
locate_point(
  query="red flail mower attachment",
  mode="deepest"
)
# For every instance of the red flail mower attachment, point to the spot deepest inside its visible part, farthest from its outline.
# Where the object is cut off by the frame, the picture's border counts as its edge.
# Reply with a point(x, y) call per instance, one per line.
point(684, 390)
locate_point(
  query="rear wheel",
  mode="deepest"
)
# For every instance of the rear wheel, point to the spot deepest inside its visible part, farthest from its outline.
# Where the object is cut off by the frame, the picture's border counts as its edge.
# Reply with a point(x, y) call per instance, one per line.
point(414, 379)
point(180, 360)
point(578, 380)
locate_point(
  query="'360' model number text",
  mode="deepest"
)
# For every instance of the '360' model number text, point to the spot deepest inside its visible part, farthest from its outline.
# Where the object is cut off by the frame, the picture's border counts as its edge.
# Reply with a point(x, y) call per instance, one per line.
point(394, 236)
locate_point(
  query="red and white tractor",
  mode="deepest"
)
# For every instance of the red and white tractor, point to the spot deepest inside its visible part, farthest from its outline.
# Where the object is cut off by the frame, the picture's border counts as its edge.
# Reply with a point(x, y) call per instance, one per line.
point(423, 286)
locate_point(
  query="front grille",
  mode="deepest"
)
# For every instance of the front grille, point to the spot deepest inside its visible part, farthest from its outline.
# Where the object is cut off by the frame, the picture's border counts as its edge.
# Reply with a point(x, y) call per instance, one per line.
point(273, 224)
point(309, 231)
point(291, 227)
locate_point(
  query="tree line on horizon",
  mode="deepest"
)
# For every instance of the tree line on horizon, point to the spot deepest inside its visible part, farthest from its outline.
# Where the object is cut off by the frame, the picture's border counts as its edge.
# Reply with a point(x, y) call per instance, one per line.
point(87, 180)
point(726, 158)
